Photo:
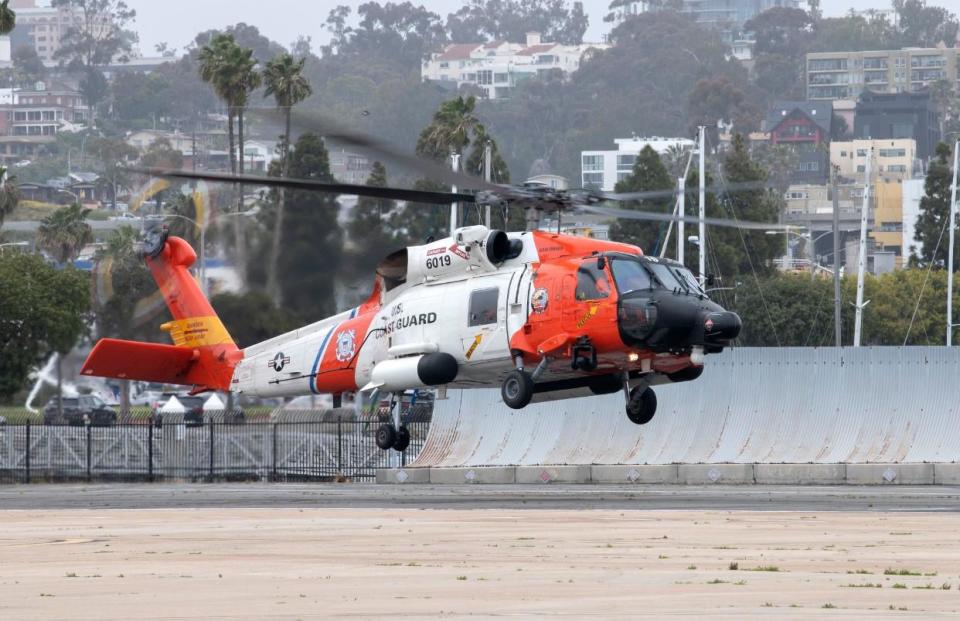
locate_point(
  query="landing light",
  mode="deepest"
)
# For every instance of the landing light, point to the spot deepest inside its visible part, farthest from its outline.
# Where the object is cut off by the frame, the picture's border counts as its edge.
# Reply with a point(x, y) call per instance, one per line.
point(633, 356)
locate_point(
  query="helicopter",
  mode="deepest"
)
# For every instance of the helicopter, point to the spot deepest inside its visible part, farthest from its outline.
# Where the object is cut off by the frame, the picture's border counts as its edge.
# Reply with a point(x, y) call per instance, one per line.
point(541, 315)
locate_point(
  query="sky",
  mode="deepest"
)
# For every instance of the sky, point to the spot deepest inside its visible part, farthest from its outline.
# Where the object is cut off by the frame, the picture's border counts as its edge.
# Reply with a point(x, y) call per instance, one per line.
point(176, 22)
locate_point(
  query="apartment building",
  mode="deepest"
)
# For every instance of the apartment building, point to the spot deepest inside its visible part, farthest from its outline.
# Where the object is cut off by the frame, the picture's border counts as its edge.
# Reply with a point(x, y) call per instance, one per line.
point(893, 160)
point(41, 26)
point(498, 67)
point(603, 169)
point(728, 16)
point(844, 75)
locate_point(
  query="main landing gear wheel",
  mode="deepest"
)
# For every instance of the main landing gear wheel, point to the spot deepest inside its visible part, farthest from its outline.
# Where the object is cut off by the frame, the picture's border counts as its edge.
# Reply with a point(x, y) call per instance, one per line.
point(387, 436)
point(403, 439)
point(642, 405)
point(517, 389)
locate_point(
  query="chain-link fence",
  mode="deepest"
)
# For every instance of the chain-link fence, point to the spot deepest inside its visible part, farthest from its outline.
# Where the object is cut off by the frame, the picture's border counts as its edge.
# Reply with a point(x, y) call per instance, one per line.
point(205, 450)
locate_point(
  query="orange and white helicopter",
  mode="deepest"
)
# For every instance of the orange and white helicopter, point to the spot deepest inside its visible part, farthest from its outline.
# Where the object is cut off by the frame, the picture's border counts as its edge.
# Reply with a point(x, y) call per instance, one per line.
point(543, 316)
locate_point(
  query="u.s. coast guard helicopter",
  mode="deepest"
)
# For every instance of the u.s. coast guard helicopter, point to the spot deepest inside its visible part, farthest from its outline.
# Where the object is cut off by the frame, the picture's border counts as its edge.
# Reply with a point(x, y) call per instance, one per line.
point(543, 316)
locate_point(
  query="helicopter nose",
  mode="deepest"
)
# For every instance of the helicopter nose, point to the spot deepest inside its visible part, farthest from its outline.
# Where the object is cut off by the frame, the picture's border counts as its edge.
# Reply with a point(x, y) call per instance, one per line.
point(721, 326)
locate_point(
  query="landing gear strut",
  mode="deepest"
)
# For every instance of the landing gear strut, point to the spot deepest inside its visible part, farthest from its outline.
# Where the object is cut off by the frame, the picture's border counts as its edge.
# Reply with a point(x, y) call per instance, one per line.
point(393, 435)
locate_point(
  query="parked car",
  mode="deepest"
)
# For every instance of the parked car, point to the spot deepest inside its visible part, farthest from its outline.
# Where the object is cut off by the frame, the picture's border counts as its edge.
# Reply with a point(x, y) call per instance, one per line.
point(193, 406)
point(124, 217)
point(77, 411)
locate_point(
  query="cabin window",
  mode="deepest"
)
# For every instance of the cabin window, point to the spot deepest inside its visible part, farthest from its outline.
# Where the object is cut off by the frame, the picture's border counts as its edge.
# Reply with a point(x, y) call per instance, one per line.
point(592, 282)
point(483, 307)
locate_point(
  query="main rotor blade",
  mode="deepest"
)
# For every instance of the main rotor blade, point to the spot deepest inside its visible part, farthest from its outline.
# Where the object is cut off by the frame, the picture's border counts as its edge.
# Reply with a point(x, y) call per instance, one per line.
point(652, 194)
point(634, 214)
point(401, 194)
point(328, 128)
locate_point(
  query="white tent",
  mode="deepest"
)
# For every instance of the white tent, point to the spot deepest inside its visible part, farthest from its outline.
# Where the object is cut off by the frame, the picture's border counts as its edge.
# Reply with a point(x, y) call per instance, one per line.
point(173, 406)
point(214, 404)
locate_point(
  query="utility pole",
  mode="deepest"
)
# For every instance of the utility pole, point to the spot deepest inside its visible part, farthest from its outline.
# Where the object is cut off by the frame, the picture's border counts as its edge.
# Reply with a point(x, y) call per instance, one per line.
point(836, 259)
point(953, 221)
point(455, 164)
point(488, 175)
point(702, 233)
point(681, 225)
point(862, 260)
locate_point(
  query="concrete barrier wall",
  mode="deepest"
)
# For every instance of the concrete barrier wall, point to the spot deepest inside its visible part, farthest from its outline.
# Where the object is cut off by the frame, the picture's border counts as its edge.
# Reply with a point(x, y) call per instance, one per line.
point(872, 405)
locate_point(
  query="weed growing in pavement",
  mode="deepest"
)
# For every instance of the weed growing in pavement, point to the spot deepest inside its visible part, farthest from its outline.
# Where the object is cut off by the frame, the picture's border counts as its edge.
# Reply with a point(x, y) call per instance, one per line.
point(900, 572)
point(734, 566)
point(898, 585)
point(868, 585)
point(717, 581)
point(828, 605)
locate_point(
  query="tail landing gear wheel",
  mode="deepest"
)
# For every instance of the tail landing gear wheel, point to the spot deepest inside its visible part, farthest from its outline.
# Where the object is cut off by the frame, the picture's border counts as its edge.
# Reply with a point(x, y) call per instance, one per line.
point(517, 389)
point(403, 439)
point(386, 436)
point(642, 406)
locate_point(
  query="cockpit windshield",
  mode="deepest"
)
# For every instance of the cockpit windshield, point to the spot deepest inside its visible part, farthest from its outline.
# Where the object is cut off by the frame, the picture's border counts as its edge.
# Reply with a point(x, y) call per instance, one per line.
point(630, 275)
point(633, 275)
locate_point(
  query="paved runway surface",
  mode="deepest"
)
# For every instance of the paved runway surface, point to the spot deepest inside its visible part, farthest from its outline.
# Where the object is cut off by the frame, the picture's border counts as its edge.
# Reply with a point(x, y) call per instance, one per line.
point(619, 497)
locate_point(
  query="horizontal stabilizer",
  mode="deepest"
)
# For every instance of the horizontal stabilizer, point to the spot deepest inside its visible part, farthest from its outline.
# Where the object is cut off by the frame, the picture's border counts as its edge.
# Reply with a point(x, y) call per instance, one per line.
point(146, 362)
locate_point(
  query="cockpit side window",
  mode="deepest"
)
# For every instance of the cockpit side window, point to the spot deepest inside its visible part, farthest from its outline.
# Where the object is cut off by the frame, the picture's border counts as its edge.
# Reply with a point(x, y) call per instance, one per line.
point(592, 282)
point(630, 275)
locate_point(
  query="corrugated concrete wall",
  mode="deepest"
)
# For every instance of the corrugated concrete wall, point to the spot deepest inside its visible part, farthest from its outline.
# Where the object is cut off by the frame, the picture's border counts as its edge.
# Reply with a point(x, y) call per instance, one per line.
point(752, 405)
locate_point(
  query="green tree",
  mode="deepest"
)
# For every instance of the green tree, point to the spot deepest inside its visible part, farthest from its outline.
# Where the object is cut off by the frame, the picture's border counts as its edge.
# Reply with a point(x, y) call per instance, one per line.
point(369, 233)
point(738, 251)
point(284, 80)
point(312, 238)
point(161, 154)
point(921, 25)
point(9, 194)
point(8, 19)
point(509, 20)
point(648, 174)
point(721, 99)
point(935, 210)
point(95, 33)
point(253, 317)
point(43, 310)
point(788, 310)
point(64, 233)
point(113, 156)
point(27, 65)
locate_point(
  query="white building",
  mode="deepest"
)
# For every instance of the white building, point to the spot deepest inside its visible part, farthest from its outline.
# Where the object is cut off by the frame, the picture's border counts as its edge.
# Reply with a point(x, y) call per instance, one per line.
point(498, 66)
point(603, 169)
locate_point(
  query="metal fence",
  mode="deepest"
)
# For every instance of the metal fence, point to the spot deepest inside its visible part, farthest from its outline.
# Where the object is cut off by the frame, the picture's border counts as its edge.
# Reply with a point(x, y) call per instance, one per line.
point(206, 451)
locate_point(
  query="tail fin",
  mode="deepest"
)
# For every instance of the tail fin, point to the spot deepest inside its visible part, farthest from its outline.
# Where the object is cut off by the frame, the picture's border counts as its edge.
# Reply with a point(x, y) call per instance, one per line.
point(202, 354)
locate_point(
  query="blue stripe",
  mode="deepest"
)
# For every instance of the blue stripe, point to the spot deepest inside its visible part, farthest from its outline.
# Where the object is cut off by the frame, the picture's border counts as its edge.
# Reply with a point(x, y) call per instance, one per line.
point(316, 363)
point(353, 313)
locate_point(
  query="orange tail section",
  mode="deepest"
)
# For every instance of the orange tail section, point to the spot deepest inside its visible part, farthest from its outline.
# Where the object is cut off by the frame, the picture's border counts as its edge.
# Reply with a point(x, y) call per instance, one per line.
point(202, 355)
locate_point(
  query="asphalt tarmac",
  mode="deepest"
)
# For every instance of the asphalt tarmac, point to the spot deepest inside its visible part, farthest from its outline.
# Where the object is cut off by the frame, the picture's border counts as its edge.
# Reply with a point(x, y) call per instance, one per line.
point(566, 497)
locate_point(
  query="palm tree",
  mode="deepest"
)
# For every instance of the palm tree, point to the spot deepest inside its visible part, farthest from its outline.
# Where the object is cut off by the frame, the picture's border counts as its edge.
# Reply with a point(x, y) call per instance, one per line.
point(9, 194)
point(215, 69)
point(285, 81)
point(246, 79)
point(231, 70)
point(65, 232)
point(8, 19)
point(452, 129)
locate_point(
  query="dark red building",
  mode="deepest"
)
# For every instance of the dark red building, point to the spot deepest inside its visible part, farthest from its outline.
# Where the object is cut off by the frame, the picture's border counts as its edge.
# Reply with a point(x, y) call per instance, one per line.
point(804, 126)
